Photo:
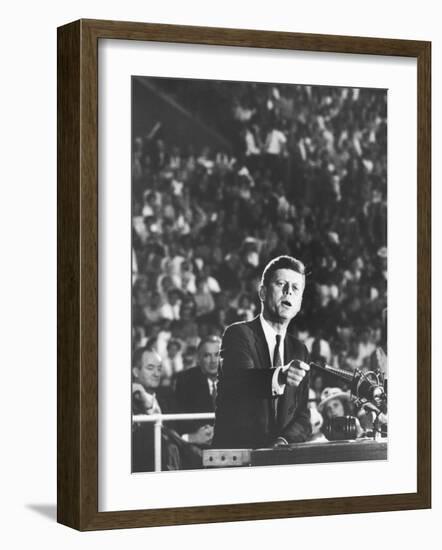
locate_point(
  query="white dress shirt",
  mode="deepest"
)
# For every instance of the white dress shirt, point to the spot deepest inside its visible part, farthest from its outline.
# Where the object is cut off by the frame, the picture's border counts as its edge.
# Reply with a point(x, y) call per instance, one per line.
point(270, 336)
point(275, 142)
point(212, 385)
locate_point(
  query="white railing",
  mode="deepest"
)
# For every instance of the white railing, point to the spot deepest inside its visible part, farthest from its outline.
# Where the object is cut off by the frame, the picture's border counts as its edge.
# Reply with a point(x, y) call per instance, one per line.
point(158, 420)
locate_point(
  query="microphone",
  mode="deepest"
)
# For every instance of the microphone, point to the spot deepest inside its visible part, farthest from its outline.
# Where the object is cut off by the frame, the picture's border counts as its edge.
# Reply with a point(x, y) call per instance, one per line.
point(340, 428)
point(369, 386)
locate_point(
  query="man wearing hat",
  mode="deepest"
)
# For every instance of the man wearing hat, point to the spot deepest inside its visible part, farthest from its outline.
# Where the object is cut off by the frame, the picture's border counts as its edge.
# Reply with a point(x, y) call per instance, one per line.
point(263, 378)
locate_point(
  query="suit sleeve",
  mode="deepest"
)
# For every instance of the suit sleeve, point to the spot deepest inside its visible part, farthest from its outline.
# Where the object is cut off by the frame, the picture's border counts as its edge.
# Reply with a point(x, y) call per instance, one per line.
point(239, 372)
point(299, 428)
point(180, 395)
point(182, 402)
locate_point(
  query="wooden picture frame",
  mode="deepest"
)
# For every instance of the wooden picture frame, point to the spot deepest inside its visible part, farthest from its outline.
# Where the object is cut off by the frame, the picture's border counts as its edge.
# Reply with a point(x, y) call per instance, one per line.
point(77, 223)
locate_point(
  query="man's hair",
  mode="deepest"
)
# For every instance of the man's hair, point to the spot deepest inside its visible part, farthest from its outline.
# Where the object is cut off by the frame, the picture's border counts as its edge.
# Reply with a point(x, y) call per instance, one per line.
point(211, 339)
point(174, 342)
point(137, 355)
point(281, 262)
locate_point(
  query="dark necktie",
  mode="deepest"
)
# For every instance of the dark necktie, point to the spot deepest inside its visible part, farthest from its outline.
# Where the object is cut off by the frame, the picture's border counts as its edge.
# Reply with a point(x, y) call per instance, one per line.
point(276, 363)
point(213, 393)
point(276, 355)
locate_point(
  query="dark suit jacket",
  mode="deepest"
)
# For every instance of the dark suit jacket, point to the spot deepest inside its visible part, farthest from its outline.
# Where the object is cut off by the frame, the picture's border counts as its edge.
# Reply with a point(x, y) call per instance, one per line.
point(244, 409)
point(143, 434)
point(193, 396)
point(177, 454)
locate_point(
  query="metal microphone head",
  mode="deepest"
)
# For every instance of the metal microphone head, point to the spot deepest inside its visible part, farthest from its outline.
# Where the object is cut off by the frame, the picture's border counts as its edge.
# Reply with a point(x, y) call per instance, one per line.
point(340, 428)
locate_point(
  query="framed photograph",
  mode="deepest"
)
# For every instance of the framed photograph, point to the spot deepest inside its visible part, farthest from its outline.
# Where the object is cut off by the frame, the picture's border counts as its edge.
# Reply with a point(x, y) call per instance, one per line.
point(243, 274)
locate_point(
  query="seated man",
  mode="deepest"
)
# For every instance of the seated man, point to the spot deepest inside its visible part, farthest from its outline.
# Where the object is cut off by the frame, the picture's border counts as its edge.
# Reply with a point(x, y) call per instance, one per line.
point(196, 392)
point(147, 399)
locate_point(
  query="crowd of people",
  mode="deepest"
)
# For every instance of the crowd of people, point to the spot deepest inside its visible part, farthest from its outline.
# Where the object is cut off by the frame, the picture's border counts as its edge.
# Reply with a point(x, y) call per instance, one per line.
point(307, 176)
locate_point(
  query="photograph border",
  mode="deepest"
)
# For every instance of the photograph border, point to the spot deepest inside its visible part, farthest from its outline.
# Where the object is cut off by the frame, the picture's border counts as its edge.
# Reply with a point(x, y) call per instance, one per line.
point(77, 273)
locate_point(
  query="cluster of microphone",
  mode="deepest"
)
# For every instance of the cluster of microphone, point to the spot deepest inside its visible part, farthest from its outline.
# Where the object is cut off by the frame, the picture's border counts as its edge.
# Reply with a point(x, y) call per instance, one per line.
point(368, 390)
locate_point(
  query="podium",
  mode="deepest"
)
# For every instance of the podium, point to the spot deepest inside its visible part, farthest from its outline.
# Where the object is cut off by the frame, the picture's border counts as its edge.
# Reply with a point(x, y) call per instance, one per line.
point(298, 453)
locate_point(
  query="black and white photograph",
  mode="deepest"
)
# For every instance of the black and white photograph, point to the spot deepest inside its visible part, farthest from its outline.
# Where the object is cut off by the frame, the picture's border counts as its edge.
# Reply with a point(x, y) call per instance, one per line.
point(259, 274)
point(214, 220)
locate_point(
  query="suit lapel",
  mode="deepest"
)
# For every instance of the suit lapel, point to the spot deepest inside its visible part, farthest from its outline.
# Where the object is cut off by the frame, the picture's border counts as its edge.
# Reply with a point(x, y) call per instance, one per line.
point(204, 391)
point(287, 401)
point(261, 346)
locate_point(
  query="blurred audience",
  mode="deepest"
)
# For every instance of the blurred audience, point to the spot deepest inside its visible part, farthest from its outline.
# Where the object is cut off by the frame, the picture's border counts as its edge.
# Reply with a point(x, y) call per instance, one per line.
point(306, 175)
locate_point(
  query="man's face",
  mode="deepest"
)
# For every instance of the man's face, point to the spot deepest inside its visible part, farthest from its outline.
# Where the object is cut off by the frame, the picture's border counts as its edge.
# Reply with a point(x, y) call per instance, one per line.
point(282, 297)
point(208, 358)
point(188, 360)
point(148, 373)
point(334, 408)
point(173, 350)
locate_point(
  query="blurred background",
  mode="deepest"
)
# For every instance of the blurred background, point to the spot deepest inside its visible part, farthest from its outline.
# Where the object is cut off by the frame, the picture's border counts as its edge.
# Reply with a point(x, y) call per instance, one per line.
point(227, 175)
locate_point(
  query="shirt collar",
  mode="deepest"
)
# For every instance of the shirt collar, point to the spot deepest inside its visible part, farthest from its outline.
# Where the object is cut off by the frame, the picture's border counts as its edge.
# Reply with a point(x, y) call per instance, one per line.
point(269, 332)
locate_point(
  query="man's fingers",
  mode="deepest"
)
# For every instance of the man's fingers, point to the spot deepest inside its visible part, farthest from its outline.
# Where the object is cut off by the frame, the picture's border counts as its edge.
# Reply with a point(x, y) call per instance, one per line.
point(297, 364)
point(295, 379)
point(299, 368)
point(297, 372)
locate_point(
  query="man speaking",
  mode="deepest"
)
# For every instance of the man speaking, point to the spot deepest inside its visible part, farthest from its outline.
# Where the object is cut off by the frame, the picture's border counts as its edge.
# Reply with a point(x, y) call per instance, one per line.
point(263, 379)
